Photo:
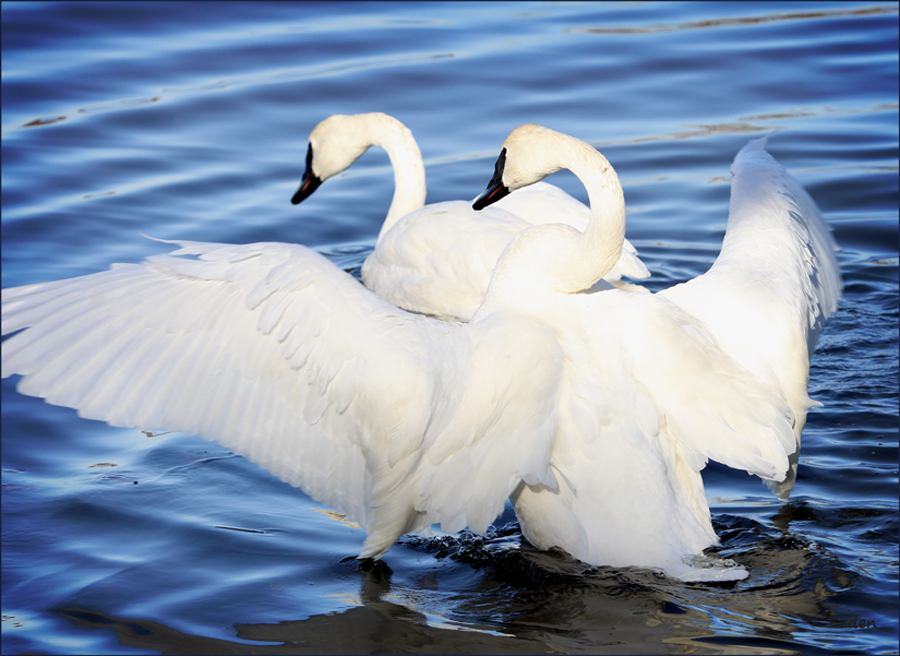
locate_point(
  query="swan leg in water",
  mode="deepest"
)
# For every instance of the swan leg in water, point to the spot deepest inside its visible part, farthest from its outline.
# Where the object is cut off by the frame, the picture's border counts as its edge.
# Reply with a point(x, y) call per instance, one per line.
point(593, 409)
point(437, 259)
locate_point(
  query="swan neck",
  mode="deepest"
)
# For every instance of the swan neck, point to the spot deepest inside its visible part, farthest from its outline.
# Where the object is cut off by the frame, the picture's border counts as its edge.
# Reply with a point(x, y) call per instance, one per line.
point(553, 258)
point(409, 171)
point(600, 245)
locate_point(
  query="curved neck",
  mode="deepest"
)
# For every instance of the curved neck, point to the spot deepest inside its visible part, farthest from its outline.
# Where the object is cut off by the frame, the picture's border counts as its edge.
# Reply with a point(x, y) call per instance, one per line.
point(553, 257)
point(598, 248)
point(406, 160)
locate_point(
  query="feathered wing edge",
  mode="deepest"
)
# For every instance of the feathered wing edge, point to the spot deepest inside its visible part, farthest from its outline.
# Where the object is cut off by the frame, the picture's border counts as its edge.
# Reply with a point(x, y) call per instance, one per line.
point(773, 285)
point(706, 401)
point(274, 352)
point(820, 276)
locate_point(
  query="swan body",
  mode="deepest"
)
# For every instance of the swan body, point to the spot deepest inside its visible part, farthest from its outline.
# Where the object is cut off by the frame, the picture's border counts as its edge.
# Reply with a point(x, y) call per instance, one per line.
point(592, 408)
point(753, 321)
point(437, 259)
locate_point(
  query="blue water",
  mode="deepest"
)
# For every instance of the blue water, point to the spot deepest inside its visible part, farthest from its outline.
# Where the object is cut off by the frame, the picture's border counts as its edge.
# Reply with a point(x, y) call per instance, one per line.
point(189, 121)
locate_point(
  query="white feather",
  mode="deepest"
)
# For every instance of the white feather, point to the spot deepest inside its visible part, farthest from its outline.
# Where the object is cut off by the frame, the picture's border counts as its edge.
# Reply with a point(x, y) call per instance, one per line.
point(592, 408)
point(437, 259)
point(774, 284)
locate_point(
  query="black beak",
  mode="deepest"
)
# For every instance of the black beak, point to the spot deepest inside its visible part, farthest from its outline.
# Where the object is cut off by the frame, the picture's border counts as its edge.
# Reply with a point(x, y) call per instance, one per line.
point(310, 181)
point(495, 189)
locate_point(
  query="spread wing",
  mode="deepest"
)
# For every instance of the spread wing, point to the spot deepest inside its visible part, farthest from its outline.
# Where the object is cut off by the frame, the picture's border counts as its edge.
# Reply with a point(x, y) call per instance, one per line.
point(774, 284)
point(276, 353)
point(776, 280)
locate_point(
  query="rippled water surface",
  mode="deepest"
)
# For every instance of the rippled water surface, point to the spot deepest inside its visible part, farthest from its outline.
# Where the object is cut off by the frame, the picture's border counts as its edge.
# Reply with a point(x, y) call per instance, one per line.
point(189, 121)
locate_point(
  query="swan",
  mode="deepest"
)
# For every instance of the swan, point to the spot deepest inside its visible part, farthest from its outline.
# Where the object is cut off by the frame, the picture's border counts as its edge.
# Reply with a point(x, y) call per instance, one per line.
point(437, 259)
point(759, 310)
point(592, 408)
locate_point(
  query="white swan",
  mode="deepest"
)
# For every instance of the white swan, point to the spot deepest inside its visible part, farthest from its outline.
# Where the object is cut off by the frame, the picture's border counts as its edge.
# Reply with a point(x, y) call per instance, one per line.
point(594, 411)
point(437, 259)
point(755, 318)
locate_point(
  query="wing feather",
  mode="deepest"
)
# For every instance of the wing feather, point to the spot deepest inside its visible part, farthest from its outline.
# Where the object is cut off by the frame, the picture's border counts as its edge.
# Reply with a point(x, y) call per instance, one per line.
point(773, 285)
point(776, 279)
point(274, 352)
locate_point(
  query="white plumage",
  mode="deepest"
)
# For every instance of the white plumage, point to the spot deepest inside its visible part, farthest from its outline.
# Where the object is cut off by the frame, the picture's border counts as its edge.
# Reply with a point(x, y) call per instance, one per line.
point(593, 409)
point(437, 259)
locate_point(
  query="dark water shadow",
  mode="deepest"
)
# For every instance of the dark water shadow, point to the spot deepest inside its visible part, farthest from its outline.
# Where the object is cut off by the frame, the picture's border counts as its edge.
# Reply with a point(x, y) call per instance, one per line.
point(525, 601)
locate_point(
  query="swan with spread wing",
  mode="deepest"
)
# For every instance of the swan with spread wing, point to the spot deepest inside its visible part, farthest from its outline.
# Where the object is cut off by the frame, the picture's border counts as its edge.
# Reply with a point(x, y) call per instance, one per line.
point(592, 408)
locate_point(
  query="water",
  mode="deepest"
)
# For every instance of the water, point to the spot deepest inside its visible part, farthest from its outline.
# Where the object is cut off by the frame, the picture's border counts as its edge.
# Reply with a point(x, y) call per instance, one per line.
point(189, 121)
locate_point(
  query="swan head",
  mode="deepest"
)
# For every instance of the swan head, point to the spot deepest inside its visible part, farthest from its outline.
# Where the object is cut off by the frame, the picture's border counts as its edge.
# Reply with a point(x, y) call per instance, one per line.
point(557, 257)
point(539, 258)
point(528, 156)
point(334, 144)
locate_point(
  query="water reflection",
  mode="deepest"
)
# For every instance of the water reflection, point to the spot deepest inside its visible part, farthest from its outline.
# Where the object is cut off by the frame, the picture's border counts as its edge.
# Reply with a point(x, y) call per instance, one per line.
point(788, 594)
point(195, 116)
point(731, 22)
point(530, 602)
